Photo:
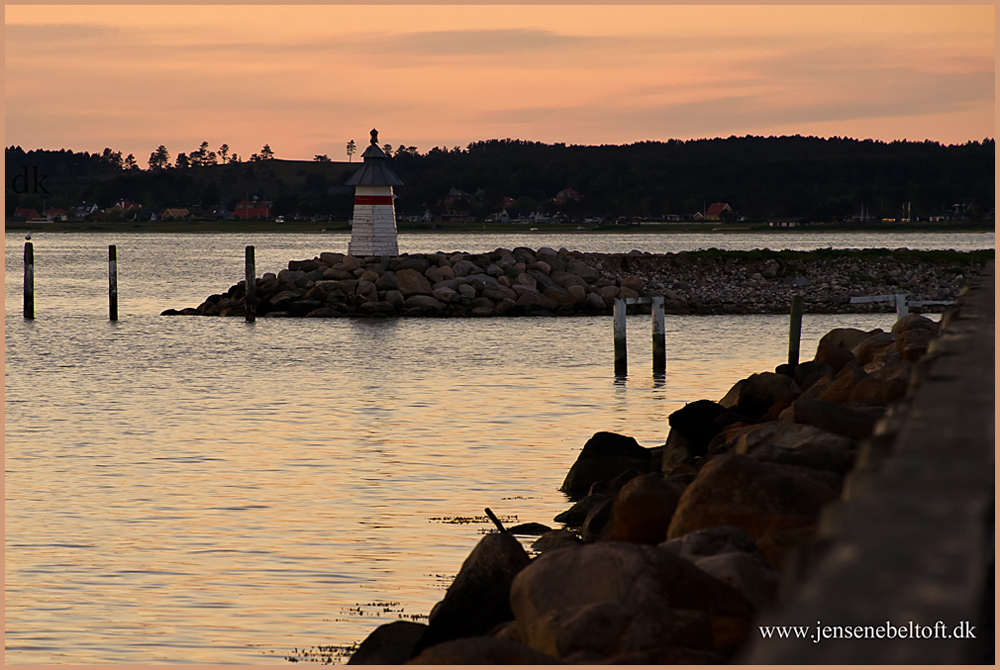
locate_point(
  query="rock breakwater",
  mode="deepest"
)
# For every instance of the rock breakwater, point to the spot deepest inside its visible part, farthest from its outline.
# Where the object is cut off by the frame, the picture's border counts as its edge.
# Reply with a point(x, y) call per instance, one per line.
point(670, 552)
point(525, 282)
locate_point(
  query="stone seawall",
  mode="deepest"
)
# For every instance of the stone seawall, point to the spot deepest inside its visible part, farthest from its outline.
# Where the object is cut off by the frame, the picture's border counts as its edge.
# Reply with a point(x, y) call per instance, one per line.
point(526, 282)
point(911, 543)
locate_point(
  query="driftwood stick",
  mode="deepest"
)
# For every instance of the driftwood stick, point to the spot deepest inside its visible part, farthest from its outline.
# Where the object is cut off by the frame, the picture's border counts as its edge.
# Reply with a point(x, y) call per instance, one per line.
point(495, 520)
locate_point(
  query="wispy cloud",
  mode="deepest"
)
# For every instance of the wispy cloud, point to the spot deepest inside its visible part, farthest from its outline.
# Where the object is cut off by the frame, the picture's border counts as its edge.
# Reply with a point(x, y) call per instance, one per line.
point(48, 34)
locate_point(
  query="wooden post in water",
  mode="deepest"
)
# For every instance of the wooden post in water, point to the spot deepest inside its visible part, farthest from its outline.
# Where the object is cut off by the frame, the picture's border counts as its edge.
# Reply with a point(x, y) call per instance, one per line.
point(112, 282)
point(659, 337)
point(901, 308)
point(794, 331)
point(621, 356)
point(250, 301)
point(29, 280)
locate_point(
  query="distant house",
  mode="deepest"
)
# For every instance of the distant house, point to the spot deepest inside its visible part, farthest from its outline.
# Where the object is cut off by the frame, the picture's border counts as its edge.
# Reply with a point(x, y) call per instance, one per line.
point(718, 211)
point(417, 218)
point(457, 206)
point(125, 210)
point(220, 213)
point(565, 195)
point(55, 214)
point(787, 222)
point(175, 214)
point(83, 211)
point(26, 214)
point(251, 209)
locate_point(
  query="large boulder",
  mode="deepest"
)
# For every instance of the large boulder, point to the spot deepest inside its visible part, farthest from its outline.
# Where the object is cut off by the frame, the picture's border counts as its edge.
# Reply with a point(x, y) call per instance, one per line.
point(411, 282)
point(635, 283)
point(478, 599)
point(763, 390)
point(713, 541)
point(605, 456)
point(351, 263)
point(848, 338)
point(583, 271)
point(757, 582)
point(596, 520)
point(417, 263)
point(555, 539)
point(792, 444)
point(614, 598)
point(532, 299)
point(729, 555)
point(464, 268)
point(567, 279)
point(641, 511)
point(758, 497)
point(676, 452)
point(868, 349)
point(834, 355)
point(808, 373)
point(389, 644)
point(696, 423)
point(481, 650)
point(915, 321)
point(424, 303)
point(577, 514)
point(839, 389)
point(914, 343)
point(873, 390)
point(832, 417)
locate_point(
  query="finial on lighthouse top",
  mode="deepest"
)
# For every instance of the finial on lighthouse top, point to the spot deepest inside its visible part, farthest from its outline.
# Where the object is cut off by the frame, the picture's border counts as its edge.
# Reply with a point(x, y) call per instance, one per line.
point(374, 171)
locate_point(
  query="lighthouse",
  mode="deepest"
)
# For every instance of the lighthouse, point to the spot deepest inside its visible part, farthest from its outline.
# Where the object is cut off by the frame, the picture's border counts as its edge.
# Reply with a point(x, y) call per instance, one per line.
point(374, 229)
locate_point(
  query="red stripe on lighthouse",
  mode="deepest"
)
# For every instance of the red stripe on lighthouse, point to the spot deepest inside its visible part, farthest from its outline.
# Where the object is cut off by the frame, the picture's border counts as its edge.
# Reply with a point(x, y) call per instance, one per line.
point(373, 200)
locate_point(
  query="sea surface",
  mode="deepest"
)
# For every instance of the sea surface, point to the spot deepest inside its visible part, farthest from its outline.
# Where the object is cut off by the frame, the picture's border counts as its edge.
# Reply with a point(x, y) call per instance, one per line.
point(203, 490)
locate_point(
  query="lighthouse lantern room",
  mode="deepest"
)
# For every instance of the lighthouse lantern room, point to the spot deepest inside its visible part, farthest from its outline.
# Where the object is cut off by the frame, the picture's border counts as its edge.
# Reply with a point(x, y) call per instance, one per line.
point(374, 229)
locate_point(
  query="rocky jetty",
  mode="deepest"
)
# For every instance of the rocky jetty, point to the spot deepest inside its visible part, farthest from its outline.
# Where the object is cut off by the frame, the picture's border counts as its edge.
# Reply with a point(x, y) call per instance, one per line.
point(524, 282)
point(670, 552)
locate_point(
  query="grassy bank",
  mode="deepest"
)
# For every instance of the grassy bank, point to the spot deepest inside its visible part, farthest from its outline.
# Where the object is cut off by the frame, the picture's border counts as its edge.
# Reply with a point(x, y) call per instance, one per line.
point(14, 227)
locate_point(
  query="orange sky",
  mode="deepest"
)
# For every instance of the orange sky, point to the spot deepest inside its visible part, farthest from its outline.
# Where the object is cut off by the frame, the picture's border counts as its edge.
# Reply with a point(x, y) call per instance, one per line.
point(306, 79)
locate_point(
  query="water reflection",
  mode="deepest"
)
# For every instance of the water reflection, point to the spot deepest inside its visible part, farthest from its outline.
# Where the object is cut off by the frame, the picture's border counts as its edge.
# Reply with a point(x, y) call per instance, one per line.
point(196, 490)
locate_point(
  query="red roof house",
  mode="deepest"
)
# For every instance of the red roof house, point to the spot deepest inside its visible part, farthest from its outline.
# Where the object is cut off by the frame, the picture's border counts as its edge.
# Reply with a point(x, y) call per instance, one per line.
point(718, 211)
point(251, 209)
point(26, 214)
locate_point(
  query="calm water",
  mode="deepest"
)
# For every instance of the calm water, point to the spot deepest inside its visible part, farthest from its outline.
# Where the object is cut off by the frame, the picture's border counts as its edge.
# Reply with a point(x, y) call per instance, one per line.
point(210, 491)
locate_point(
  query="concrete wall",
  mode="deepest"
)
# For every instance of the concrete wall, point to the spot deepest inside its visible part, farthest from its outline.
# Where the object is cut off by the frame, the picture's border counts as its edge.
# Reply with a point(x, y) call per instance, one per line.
point(913, 538)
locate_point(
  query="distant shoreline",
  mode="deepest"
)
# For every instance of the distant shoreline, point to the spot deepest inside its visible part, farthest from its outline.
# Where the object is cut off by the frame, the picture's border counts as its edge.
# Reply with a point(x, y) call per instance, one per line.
point(342, 227)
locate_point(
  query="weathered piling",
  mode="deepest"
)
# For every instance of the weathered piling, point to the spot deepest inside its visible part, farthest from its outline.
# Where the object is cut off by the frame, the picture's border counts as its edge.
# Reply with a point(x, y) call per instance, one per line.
point(112, 282)
point(901, 308)
point(29, 280)
point(251, 293)
point(659, 337)
point(794, 330)
point(621, 353)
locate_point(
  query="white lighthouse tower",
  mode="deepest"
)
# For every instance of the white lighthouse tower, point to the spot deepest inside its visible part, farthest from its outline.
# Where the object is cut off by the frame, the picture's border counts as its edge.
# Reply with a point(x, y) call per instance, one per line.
point(374, 230)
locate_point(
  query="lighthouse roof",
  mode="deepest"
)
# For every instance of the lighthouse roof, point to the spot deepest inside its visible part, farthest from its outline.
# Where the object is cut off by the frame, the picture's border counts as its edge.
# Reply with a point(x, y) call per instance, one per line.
point(375, 171)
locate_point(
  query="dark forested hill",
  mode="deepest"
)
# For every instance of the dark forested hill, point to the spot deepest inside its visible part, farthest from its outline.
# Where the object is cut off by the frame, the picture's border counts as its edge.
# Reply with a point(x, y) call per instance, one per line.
point(759, 177)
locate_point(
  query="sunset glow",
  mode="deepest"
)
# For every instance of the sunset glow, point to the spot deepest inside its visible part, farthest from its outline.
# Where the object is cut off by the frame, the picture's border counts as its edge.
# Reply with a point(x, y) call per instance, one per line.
point(306, 79)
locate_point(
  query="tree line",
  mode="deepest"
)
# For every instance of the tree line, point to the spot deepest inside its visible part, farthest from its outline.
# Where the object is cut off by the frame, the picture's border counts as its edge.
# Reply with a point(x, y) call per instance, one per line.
point(759, 177)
